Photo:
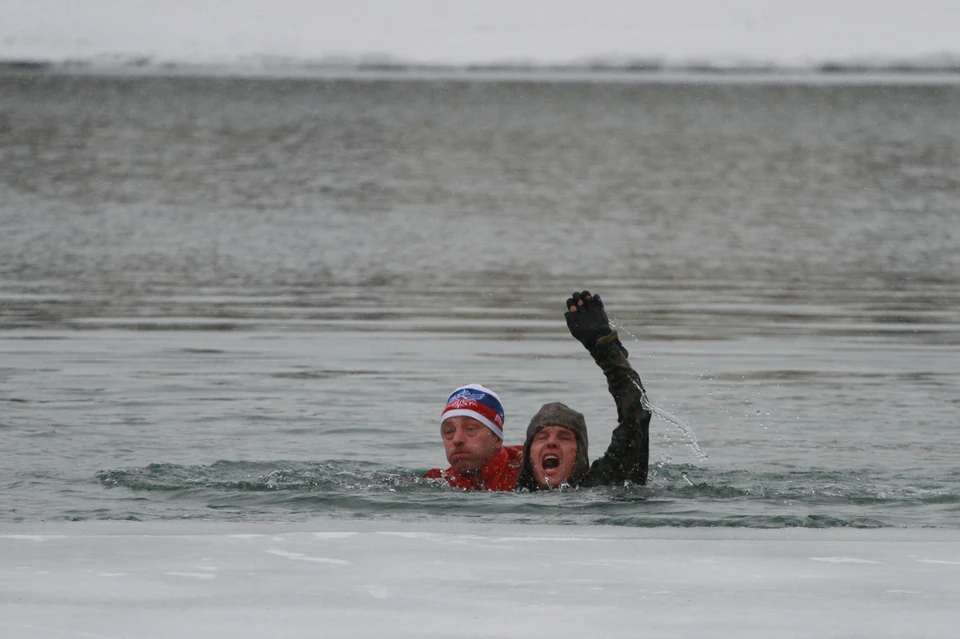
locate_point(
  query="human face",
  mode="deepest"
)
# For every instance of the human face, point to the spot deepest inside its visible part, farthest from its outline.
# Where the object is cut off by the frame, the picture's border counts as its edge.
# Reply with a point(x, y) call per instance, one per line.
point(469, 444)
point(553, 454)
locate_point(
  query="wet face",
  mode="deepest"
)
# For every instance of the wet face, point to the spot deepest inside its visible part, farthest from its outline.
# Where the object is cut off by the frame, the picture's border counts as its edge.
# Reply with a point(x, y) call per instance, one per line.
point(469, 444)
point(553, 454)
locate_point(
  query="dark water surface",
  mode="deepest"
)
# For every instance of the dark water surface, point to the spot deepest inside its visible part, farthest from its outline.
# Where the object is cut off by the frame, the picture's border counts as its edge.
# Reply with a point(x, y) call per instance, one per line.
point(240, 299)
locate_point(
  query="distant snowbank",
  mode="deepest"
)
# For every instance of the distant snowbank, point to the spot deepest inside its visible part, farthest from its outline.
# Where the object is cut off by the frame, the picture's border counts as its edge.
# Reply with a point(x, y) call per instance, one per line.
point(896, 74)
point(272, 65)
point(619, 34)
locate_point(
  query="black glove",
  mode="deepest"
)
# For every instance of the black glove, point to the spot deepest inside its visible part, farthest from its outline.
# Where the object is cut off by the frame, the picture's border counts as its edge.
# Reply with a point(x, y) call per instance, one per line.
point(587, 321)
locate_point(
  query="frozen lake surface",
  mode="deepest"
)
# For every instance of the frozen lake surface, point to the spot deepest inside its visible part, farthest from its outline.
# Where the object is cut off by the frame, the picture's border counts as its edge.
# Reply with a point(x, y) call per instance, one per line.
point(110, 580)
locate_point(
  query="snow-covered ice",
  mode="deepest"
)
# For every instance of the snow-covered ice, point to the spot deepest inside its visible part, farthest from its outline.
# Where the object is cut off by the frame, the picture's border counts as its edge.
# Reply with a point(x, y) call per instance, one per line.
point(348, 579)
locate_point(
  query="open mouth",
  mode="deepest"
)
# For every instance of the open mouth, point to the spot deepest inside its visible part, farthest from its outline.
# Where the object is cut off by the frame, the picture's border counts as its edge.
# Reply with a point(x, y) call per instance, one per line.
point(550, 462)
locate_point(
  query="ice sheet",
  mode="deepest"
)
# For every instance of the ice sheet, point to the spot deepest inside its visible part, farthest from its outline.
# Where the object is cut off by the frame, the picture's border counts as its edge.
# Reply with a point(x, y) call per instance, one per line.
point(349, 579)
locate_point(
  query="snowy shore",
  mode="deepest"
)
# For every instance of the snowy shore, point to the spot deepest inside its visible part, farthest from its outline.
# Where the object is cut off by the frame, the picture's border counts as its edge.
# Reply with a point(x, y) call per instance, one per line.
point(618, 33)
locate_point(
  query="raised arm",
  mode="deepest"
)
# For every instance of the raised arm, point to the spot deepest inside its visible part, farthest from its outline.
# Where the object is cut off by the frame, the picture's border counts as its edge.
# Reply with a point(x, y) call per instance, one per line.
point(627, 457)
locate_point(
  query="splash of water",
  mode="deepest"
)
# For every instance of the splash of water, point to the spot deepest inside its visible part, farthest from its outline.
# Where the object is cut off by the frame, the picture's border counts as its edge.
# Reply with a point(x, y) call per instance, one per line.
point(689, 437)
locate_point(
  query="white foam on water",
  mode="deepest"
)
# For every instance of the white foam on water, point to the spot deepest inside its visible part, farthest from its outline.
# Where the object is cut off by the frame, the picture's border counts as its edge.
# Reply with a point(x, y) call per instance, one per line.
point(436, 580)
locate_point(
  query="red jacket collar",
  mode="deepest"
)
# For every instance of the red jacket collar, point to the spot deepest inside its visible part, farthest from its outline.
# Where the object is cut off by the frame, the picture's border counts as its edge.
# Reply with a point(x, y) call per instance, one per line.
point(499, 473)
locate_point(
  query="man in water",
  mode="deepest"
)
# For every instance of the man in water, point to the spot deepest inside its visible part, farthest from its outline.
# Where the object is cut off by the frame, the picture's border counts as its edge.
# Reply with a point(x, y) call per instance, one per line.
point(555, 453)
point(471, 426)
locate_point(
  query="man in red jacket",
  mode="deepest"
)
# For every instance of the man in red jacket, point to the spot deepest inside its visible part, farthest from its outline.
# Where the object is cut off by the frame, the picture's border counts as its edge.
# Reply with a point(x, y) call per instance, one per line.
point(471, 426)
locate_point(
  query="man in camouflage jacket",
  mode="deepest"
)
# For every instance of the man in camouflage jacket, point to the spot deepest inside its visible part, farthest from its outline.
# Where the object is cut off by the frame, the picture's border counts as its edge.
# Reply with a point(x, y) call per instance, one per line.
point(556, 449)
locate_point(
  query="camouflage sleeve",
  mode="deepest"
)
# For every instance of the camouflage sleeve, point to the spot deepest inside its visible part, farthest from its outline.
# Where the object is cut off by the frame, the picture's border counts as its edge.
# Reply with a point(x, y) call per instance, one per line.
point(627, 457)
